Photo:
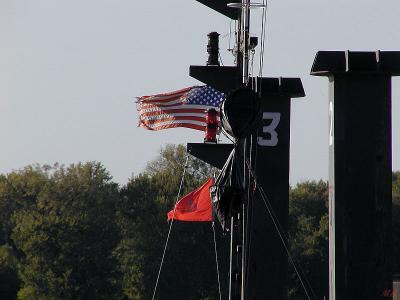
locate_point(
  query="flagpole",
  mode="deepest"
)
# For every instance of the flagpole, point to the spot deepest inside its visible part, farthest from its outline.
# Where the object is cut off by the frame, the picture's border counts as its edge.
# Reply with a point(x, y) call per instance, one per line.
point(245, 47)
point(238, 228)
point(245, 29)
point(245, 39)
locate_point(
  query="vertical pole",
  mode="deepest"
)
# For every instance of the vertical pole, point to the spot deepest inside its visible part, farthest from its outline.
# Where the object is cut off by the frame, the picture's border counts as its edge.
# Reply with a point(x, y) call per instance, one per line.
point(245, 20)
point(237, 254)
point(246, 155)
point(235, 259)
point(238, 224)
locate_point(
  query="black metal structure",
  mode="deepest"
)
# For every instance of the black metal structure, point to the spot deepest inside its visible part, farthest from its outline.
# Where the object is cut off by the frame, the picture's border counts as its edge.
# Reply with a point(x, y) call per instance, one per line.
point(360, 166)
point(266, 258)
point(263, 256)
point(259, 262)
point(221, 6)
point(214, 154)
point(226, 78)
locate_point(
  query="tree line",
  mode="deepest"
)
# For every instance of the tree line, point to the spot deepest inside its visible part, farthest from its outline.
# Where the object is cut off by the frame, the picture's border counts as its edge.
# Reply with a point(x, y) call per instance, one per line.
point(72, 233)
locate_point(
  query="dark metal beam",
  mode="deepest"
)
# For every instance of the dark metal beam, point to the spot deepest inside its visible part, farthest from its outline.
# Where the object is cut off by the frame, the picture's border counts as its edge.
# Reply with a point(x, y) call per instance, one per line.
point(214, 154)
point(267, 261)
point(223, 79)
point(327, 63)
point(360, 166)
point(221, 6)
point(227, 78)
point(281, 86)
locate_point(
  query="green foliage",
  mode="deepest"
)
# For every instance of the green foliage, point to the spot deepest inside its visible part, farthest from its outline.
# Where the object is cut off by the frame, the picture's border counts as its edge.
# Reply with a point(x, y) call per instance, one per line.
point(396, 221)
point(308, 232)
point(142, 217)
point(66, 233)
point(9, 281)
point(18, 190)
point(72, 233)
point(396, 187)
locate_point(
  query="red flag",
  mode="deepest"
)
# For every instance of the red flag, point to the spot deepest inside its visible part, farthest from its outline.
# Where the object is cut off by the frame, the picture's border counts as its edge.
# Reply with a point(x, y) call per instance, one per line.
point(195, 206)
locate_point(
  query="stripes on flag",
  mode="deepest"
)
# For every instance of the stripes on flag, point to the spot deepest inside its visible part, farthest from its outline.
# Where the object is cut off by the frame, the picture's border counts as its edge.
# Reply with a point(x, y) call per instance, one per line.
point(183, 108)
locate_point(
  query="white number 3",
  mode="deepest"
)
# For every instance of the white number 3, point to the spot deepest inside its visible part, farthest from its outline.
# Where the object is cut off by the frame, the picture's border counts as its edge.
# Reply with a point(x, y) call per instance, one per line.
point(271, 139)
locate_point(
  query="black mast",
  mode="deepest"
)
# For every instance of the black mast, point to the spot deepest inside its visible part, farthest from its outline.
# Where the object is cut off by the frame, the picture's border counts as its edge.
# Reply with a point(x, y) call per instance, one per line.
point(258, 261)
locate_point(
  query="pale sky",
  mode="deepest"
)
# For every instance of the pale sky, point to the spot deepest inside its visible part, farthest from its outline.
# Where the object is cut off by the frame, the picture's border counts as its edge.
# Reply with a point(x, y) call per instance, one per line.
point(70, 72)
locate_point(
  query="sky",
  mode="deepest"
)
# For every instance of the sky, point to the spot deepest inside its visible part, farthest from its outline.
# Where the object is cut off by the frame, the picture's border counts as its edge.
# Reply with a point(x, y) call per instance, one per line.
point(70, 72)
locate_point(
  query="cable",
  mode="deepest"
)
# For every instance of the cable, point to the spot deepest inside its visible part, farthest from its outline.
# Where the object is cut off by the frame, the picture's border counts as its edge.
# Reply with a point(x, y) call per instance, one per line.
point(230, 36)
point(282, 236)
point(170, 227)
point(262, 44)
point(250, 211)
point(227, 136)
point(252, 64)
point(216, 261)
point(220, 59)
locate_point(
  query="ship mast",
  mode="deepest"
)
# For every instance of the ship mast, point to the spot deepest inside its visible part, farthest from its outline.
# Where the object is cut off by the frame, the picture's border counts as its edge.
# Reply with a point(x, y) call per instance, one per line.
point(261, 269)
point(242, 54)
point(238, 220)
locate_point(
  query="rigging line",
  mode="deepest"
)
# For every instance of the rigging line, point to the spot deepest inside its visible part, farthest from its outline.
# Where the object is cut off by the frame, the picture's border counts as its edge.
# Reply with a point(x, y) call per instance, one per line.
point(170, 226)
point(252, 65)
point(230, 35)
point(224, 35)
point(283, 237)
point(249, 216)
point(220, 59)
point(227, 136)
point(216, 261)
point(264, 21)
point(293, 259)
point(262, 45)
point(256, 156)
point(235, 49)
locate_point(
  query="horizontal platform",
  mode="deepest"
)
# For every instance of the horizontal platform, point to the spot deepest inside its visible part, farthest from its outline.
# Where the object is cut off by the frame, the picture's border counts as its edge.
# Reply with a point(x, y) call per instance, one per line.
point(291, 87)
point(221, 6)
point(355, 62)
point(222, 78)
point(213, 154)
point(225, 79)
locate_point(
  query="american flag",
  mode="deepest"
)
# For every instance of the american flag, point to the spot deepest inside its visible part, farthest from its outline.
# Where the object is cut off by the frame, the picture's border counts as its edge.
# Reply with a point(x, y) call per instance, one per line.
point(183, 108)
